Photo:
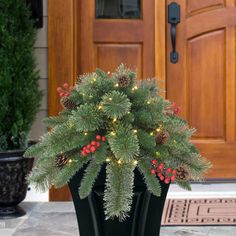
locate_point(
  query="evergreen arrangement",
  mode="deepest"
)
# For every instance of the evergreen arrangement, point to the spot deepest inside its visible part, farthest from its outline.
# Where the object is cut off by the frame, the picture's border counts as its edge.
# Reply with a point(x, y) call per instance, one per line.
point(20, 96)
point(114, 120)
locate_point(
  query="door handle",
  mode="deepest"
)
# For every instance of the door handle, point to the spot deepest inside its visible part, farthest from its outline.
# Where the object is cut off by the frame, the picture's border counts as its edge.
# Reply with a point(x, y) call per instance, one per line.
point(173, 20)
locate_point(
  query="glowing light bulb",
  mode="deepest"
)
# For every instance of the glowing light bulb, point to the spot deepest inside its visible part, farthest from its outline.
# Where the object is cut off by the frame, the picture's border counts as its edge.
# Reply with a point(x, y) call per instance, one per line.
point(113, 133)
point(110, 99)
point(114, 120)
point(99, 107)
point(158, 130)
point(148, 102)
point(119, 162)
point(108, 160)
point(135, 162)
point(135, 131)
point(151, 133)
point(70, 161)
point(116, 85)
point(85, 133)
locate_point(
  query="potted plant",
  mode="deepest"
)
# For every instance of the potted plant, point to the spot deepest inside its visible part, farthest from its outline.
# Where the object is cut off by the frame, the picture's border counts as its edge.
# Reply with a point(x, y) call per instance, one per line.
point(19, 100)
point(118, 144)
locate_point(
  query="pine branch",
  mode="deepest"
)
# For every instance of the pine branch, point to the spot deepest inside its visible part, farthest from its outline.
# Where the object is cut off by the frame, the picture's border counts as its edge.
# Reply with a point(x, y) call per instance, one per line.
point(124, 143)
point(80, 120)
point(89, 178)
point(53, 121)
point(63, 176)
point(151, 181)
point(119, 190)
point(115, 104)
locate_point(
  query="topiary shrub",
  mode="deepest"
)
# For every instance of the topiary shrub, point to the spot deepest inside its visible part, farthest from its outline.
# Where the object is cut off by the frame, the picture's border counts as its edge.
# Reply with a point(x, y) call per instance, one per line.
point(19, 91)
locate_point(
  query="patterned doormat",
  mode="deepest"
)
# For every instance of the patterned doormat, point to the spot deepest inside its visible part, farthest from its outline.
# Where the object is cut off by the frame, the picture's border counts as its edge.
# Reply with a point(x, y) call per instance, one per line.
point(199, 212)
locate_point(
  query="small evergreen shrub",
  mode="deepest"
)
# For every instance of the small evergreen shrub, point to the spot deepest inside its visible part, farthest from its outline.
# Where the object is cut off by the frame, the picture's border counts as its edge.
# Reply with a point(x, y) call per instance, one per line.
point(19, 93)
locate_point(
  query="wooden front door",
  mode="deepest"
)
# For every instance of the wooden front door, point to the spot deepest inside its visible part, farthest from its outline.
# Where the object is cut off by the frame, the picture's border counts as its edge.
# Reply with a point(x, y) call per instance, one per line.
point(203, 81)
point(109, 36)
point(83, 37)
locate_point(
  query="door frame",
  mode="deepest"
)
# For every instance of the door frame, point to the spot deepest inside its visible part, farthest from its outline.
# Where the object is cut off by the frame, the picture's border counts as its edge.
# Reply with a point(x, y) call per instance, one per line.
point(63, 55)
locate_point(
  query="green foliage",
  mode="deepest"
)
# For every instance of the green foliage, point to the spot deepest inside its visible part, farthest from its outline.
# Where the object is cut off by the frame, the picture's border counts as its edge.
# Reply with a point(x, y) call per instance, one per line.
point(89, 178)
point(80, 121)
point(115, 104)
point(153, 184)
point(124, 143)
point(20, 95)
point(119, 190)
point(129, 117)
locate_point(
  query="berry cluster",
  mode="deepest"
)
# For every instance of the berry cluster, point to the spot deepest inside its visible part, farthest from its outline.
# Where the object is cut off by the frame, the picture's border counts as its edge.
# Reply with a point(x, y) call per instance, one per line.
point(165, 174)
point(176, 110)
point(65, 90)
point(93, 146)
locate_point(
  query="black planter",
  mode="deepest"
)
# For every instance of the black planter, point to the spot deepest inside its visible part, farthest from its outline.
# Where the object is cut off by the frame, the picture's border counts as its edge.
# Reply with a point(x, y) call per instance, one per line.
point(145, 215)
point(13, 186)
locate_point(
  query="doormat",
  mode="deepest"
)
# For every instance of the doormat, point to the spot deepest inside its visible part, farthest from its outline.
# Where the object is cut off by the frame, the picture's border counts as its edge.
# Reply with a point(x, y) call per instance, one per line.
point(199, 212)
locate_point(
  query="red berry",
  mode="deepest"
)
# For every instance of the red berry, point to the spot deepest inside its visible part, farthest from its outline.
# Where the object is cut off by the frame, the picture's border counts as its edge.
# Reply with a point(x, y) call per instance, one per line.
point(174, 172)
point(67, 94)
point(172, 178)
point(59, 89)
point(161, 166)
point(159, 175)
point(104, 138)
point(154, 162)
point(167, 181)
point(153, 172)
point(98, 144)
point(65, 85)
point(88, 151)
point(83, 153)
point(98, 137)
point(162, 178)
point(168, 170)
point(88, 146)
point(92, 149)
point(62, 94)
point(94, 143)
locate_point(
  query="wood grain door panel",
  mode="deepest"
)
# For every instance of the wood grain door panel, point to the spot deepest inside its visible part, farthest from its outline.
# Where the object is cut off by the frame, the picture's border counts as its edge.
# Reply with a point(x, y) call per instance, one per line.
point(203, 81)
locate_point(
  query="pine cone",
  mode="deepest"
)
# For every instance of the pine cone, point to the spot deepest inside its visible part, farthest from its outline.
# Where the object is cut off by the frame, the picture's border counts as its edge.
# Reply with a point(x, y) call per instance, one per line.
point(68, 104)
point(162, 137)
point(61, 161)
point(124, 81)
point(182, 174)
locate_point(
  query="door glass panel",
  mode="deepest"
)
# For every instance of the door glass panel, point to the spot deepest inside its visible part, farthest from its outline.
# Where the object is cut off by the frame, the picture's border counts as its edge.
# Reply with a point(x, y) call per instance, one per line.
point(118, 9)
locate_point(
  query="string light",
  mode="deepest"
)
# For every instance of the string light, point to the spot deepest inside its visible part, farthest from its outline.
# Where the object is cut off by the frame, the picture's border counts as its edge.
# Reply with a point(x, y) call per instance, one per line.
point(135, 131)
point(70, 161)
point(108, 160)
point(114, 120)
point(85, 133)
point(148, 102)
point(94, 79)
point(158, 130)
point(135, 162)
point(110, 99)
point(119, 162)
point(99, 107)
point(113, 133)
point(151, 133)
point(91, 96)
point(116, 85)
point(134, 88)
